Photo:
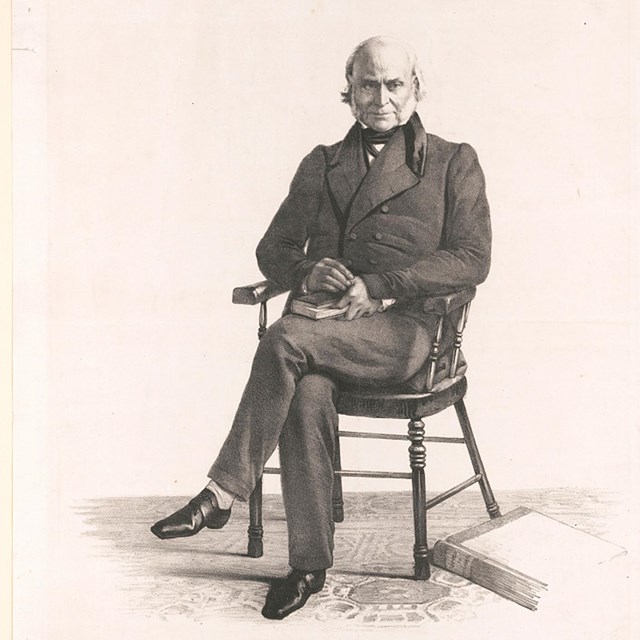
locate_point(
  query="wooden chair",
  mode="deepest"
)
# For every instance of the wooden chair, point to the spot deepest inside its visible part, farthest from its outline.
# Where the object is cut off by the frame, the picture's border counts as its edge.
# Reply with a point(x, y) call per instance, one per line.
point(411, 406)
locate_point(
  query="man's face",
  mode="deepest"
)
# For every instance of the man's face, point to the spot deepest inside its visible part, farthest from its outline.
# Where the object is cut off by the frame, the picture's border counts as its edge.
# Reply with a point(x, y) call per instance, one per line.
point(383, 92)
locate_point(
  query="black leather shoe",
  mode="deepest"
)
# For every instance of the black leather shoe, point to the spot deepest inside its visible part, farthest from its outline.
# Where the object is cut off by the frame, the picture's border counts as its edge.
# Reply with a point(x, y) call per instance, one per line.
point(289, 595)
point(198, 513)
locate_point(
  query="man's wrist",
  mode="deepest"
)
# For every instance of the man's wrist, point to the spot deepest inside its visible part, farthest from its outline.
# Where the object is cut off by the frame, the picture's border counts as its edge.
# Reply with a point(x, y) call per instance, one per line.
point(383, 303)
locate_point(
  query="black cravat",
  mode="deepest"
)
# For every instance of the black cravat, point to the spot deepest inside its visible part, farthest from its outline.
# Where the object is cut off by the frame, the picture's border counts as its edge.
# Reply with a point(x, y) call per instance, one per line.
point(370, 137)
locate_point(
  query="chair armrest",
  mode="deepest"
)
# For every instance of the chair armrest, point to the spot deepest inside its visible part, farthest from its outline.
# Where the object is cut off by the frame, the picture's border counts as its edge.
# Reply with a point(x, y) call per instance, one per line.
point(257, 293)
point(445, 303)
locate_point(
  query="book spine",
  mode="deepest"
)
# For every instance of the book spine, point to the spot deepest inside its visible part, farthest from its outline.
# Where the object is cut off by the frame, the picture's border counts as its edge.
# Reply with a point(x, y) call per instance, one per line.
point(498, 578)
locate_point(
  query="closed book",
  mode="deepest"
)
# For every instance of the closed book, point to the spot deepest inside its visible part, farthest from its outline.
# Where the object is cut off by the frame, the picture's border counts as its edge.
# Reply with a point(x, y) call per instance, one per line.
point(521, 554)
point(317, 305)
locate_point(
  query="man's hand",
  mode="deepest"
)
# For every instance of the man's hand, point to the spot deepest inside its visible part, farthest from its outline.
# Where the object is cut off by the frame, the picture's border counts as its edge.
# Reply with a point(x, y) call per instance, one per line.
point(329, 275)
point(357, 301)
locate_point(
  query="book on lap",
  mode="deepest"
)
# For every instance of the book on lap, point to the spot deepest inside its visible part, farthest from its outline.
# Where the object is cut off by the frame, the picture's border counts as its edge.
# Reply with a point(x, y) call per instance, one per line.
point(317, 306)
point(520, 554)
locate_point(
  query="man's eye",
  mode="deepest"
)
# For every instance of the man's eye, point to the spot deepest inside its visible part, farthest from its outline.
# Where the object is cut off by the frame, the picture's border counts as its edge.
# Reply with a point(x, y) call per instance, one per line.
point(394, 86)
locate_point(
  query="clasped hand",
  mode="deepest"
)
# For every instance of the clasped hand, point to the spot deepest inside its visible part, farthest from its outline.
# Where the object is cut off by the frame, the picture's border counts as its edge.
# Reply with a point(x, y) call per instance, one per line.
point(331, 275)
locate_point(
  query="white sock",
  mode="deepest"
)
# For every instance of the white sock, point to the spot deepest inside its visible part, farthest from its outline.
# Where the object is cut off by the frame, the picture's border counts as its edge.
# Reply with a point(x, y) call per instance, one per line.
point(223, 497)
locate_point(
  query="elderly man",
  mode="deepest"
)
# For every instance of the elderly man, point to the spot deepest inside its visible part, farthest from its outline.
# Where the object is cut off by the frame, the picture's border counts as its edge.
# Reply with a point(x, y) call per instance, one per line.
point(382, 219)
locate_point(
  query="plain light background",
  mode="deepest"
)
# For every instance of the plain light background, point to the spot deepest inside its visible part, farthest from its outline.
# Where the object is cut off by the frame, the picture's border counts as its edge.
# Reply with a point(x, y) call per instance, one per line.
point(153, 142)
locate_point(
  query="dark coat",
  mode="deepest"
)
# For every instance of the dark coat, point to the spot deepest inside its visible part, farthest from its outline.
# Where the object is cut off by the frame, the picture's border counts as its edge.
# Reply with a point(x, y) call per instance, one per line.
point(416, 223)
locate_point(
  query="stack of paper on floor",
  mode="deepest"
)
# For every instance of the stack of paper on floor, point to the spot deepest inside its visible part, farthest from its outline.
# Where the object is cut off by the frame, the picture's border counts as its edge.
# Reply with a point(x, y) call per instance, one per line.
point(520, 554)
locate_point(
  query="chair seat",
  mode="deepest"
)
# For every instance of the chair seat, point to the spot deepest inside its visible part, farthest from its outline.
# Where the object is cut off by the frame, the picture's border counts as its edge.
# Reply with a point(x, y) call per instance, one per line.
point(378, 404)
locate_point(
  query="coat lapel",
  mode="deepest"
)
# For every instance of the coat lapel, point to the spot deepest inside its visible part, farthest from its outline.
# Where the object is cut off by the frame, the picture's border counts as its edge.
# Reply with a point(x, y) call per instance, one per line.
point(399, 167)
point(347, 169)
point(388, 176)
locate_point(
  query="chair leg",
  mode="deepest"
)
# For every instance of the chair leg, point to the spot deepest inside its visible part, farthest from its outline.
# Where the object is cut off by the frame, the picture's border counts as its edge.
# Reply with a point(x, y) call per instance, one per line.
point(255, 547)
point(492, 506)
point(338, 503)
point(417, 458)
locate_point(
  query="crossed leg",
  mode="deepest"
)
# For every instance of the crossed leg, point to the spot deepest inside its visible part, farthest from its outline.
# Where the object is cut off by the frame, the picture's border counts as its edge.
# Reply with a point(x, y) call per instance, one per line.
point(290, 399)
point(384, 349)
point(307, 449)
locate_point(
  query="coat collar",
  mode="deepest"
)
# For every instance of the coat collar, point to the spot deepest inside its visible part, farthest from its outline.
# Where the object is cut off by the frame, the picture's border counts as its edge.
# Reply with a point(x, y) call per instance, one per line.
point(399, 166)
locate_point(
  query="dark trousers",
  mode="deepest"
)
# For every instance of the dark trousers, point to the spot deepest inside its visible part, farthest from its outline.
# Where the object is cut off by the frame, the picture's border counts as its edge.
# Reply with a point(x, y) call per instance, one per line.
point(290, 400)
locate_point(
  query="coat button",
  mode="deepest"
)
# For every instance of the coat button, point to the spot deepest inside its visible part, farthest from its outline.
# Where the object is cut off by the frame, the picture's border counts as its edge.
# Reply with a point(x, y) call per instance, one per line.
point(373, 261)
point(384, 208)
point(353, 236)
point(378, 236)
point(348, 262)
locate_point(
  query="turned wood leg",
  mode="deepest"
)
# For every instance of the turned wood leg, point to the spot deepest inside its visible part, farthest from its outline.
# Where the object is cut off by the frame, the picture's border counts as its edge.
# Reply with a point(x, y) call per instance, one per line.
point(255, 530)
point(417, 458)
point(255, 547)
point(492, 506)
point(338, 503)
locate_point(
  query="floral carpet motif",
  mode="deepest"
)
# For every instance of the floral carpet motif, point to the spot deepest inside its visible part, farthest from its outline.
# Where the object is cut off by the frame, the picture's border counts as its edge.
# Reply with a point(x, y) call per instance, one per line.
point(209, 576)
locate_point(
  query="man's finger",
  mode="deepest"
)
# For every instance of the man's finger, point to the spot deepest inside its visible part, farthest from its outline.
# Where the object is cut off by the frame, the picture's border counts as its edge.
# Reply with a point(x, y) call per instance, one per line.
point(343, 302)
point(336, 264)
point(327, 286)
point(337, 273)
point(337, 280)
point(351, 312)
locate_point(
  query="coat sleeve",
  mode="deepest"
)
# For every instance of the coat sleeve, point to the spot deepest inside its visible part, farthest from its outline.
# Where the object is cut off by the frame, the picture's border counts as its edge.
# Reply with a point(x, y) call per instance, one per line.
point(281, 252)
point(464, 255)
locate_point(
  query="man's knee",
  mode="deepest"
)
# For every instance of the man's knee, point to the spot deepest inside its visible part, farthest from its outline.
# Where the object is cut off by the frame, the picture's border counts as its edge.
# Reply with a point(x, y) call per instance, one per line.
point(315, 390)
point(284, 331)
point(314, 404)
point(312, 416)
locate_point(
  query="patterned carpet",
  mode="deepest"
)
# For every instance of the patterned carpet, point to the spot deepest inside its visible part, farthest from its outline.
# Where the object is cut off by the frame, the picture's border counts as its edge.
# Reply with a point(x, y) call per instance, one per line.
point(209, 576)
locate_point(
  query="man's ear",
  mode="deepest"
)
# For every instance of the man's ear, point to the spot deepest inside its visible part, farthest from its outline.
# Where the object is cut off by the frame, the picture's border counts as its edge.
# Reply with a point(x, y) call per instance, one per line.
point(347, 94)
point(416, 88)
point(350, 83)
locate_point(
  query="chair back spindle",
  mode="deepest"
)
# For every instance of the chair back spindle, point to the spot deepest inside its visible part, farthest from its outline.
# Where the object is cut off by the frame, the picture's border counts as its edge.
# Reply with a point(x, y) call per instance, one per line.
point(462, 323)
point(434, 354)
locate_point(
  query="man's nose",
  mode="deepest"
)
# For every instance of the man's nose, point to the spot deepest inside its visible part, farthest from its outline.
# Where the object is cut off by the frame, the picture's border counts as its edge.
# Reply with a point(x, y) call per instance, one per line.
point(382, 95)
